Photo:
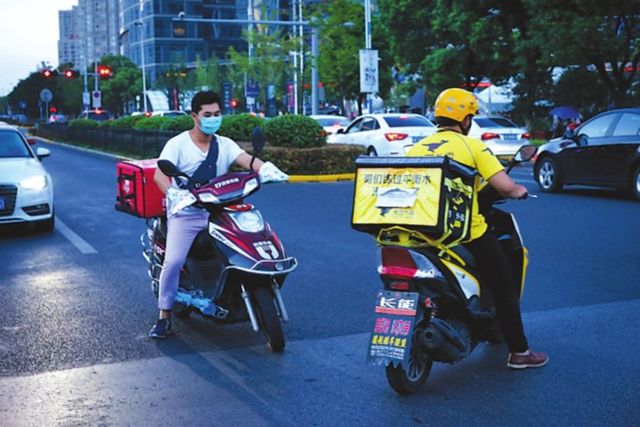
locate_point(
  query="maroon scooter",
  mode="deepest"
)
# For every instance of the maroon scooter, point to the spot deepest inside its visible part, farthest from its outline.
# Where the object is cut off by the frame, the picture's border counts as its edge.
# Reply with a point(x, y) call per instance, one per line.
point(236, 268)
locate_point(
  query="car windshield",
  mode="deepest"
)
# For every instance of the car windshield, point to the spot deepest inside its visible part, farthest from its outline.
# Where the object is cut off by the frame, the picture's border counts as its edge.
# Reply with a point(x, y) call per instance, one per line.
point(407, 121)
point(12, 145)
point(495, 122)
point(337, 121)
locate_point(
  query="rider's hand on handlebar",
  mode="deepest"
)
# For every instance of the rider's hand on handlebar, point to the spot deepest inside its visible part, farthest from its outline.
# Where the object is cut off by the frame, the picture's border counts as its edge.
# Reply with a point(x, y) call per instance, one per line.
point(270, 173)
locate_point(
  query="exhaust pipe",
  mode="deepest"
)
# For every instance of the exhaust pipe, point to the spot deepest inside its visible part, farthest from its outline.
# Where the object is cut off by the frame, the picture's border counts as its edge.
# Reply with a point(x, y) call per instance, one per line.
point(446, 341)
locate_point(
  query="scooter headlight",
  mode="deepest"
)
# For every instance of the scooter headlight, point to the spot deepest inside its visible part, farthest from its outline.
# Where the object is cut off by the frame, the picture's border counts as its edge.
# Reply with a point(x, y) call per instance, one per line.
point(37, 182)
point(208, 198)
point(249, 221)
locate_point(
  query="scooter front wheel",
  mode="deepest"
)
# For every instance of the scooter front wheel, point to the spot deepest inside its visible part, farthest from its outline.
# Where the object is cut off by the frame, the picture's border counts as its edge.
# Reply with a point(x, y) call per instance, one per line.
point(410, 381)
point(269, 320)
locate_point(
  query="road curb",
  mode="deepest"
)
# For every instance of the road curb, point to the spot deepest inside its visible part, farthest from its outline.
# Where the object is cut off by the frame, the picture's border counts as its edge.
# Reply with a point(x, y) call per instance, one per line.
point(292, 178)
point(322, 178)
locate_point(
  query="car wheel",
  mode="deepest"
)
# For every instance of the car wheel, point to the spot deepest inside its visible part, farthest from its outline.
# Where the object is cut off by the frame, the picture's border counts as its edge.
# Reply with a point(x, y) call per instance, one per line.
point(635, 183)
point(372, 152)
point(547, 175)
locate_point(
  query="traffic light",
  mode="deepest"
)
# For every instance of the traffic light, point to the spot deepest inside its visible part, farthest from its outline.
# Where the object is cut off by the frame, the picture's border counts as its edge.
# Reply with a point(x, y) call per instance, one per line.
point(104, 71)
point(234, 103)
point(71, 74)
point(47, 73)
point(53, 109)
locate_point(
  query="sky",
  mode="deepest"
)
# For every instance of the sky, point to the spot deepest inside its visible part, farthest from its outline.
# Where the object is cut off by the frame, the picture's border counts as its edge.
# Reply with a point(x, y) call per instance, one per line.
point(29, 34)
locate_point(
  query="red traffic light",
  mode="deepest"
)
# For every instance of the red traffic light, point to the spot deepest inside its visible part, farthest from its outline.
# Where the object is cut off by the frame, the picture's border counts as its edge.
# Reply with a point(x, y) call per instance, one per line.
point(234, 103)
point(46, 73)
point(71, 74)
point(104, 71)
point(53, 109)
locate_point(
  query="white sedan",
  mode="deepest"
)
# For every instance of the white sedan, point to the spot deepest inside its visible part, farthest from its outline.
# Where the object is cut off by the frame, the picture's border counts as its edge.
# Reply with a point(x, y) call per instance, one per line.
point(26, 190)
point(331, 124)
point(390, 134)
point(503, 137)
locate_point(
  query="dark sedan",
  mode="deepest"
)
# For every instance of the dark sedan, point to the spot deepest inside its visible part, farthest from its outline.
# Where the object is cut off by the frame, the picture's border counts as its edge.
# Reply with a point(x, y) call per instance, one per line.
point(604, 151)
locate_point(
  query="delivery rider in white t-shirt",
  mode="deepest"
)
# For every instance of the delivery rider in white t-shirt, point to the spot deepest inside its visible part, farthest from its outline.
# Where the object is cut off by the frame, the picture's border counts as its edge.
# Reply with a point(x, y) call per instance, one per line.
point(187, 151)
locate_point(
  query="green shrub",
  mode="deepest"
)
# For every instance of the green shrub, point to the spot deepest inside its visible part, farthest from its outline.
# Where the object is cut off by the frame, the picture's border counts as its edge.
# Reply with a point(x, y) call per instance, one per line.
point(178, 123)
point(150, 123)
point(239, 126)
point(295, 131)
point(127, 122)
point(326, 160)
point(83, 123)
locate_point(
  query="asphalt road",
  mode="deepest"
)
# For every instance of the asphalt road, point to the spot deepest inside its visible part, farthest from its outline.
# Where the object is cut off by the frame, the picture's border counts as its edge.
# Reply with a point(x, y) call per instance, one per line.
point(76, 308)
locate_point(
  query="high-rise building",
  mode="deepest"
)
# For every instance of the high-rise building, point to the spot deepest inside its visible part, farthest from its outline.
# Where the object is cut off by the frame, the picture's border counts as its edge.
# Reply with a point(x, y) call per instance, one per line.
point(68, 46)
point(88, 32)
point(149, 26)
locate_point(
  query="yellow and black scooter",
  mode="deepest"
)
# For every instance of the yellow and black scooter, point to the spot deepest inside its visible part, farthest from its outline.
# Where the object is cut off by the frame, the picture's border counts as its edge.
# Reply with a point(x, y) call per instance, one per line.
point(432, 308)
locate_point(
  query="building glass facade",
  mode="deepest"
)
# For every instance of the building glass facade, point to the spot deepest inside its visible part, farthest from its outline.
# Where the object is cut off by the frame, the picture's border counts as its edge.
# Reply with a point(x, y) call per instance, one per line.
point(169, 45)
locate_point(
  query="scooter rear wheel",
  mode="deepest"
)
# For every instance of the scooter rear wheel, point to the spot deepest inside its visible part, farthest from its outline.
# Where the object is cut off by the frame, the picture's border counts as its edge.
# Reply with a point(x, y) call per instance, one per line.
point(269, 320)
point(410, 381)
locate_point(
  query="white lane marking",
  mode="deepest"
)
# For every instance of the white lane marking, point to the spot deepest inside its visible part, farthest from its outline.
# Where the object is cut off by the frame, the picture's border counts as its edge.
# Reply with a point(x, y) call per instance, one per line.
point(76, 240)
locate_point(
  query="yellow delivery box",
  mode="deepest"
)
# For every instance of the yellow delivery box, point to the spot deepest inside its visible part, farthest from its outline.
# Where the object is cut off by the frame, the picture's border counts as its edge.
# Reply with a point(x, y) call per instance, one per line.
point(432, 196)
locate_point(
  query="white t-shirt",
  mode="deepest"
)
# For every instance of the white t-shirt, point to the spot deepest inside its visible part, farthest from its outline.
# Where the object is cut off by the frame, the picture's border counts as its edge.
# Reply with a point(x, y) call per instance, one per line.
point(187, 157)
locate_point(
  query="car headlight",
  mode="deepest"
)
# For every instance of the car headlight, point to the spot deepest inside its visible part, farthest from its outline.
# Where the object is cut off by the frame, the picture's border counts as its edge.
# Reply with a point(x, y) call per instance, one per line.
point(249, 221)
point(34, 183)
point(250, 185)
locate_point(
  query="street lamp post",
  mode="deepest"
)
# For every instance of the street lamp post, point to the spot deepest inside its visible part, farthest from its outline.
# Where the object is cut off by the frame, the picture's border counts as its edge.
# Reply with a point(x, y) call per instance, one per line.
point(144, 80)
point(367, 43)
point(314, 44)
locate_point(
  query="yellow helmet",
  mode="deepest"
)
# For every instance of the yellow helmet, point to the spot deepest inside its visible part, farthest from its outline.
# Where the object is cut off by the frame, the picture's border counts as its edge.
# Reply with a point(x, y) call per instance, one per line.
point(456, 104)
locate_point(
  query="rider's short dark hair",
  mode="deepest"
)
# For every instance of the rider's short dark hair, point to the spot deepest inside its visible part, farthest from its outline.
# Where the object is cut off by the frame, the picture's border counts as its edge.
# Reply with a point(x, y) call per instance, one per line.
point(204, 97)
point(446, 121)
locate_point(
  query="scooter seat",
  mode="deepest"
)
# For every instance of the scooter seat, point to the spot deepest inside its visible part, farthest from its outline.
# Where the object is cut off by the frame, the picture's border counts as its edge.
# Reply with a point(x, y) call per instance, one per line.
point(466, 256)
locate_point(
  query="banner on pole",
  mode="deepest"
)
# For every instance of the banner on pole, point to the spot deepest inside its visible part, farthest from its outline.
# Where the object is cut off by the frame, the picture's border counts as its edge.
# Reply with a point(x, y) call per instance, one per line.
point(368, 70)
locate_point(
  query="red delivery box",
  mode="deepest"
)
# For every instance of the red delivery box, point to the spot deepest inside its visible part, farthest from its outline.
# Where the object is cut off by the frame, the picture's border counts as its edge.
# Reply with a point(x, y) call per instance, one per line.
point(138, 193)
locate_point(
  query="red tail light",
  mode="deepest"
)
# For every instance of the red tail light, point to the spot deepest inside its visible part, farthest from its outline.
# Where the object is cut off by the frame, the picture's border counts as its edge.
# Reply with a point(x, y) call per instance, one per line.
point(399, 286)
point(526, 135)
point(397, 263)
point(489, 135)
point(394, 136)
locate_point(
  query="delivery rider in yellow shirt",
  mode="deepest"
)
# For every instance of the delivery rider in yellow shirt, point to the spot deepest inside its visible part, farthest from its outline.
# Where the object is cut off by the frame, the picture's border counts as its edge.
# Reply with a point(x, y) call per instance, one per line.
point(454, 109)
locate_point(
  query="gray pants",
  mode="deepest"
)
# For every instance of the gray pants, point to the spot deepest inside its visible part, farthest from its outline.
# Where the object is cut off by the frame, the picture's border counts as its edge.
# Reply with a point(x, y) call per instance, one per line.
point(181, 231)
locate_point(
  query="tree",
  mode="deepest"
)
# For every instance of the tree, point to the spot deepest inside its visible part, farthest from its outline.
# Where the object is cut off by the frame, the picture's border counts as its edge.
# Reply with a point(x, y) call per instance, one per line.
point(123, 86)
point(207, 74)
point(269, 62)
point(604, 35)
point(448, 42)
point(341, 27)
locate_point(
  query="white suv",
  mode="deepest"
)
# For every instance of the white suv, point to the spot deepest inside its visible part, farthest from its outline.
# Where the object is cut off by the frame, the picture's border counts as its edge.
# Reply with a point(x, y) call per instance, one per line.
point(26, 190)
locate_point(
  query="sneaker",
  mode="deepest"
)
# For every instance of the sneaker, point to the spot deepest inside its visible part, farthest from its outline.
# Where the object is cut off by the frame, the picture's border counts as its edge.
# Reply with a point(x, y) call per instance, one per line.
point(161, 329)
point(523, 361)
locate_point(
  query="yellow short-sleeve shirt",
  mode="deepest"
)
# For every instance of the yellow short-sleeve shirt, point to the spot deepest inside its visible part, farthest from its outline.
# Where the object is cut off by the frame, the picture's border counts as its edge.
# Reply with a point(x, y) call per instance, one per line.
point(468, 151)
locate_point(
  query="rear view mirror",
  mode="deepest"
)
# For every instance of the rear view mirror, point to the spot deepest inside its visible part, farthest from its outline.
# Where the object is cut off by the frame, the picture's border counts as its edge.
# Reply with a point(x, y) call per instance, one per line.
point(168, 168)
point(341, 130)
point(525, 153)
point(258, 140)
point(42, 153)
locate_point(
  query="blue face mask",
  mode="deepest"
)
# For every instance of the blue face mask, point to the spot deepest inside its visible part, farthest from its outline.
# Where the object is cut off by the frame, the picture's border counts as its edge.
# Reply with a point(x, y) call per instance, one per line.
point(210, 125)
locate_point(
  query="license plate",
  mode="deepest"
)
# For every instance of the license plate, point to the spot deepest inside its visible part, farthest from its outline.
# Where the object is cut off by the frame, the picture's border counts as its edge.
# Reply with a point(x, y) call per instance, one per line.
point(2, 203)
point(395, 317)
point(510, 137)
